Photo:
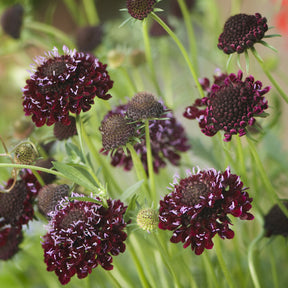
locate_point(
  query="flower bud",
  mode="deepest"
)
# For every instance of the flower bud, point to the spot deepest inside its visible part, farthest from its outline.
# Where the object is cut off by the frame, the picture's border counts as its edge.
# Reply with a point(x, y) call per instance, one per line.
point(25, 154)
point(147, 219)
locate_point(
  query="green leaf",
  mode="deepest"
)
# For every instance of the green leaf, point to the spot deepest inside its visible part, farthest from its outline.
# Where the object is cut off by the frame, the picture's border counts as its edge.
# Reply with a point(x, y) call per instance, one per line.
point(86, 199)
point(76, 176)
point(131, 190)
point(74, 152)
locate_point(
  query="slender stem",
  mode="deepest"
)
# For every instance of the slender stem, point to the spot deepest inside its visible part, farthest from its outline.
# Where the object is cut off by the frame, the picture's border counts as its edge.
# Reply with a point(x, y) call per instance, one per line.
point(183, 51)
point(251, 250)
point(210, 271)
point(91, 12)
point(130, 84)
point(140, 171)
point(31, 167)
point(222, 263)
point(137, 263)
point(48, 29)
point(190, 33)
point(241, 159)
point(149, 56)
point(150, 162)
point(265, 179)
point(270, 77)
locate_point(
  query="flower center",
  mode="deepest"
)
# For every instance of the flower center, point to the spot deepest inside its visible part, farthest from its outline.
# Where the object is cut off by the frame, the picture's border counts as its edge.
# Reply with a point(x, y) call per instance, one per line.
point(72, 216)
point(54, 67)
point(230, 106)
point(193, 193)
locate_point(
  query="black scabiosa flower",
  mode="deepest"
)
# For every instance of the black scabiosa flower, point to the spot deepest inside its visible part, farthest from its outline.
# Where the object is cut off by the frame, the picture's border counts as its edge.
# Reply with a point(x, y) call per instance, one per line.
point(116, 131)
point(140, 9)
point(16, 207)
point(241, 32)
point(199, 206)
point(62, 132)
point(11, 20)
point(276, 222)
point(143, 106)
point(83, 235)
point(10, 238)
point(49, 196)
point(231, 105)
point(88, 38)
point(64, 83)
point(168, 139)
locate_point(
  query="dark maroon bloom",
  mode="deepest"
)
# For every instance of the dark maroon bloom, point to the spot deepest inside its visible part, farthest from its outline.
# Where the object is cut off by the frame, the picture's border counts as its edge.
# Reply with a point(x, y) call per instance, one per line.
point(88, 38)
point(83, 235)
point(199, 205)
point(168, 138)
point(11, 20)
point(241, 32)
point(276, 222)
point(16, 206)
point(64, 83)
point(231, 105)
point(62, 132)
point(140, 9)
point(10, 238)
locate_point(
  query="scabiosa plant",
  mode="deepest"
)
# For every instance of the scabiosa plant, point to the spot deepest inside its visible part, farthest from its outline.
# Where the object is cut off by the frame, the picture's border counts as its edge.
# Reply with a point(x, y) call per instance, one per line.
point(230, 105)
point(16, 207)
point(11, 20)
point(63, 132)
point(10, 238)
point(147, 219)
point(241, 32)
point(199, 206)
point(64, 83)
point(140, 9)
point(83, 235)
point(168, 139)
point(143, 106)
point(275, 221)
point(116, 131)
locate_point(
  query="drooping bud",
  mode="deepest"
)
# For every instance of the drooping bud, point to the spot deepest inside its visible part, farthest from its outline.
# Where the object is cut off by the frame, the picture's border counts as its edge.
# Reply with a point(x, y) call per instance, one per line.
point(147, 219)
point(25, 153)
point(62, 132)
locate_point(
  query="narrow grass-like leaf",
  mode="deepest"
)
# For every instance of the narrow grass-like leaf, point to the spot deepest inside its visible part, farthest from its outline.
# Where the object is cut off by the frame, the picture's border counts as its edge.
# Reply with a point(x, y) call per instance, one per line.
point(131, 190)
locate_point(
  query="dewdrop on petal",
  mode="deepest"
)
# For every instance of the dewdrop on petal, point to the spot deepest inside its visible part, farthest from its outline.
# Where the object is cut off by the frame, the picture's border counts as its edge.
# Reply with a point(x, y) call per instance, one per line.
point(147, 219)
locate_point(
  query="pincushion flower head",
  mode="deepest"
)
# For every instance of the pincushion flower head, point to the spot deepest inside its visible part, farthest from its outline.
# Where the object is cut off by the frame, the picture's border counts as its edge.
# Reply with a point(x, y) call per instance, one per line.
point(83, 235)
point(241, 32)
point(60, 84)
point(16, 206)
point(140, 9)
point(167, 137)
point(199, 207)
point(230, 105)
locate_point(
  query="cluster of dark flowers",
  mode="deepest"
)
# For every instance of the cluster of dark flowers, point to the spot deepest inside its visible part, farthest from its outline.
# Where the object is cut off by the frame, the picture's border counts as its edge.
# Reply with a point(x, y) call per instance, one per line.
point(84, 234)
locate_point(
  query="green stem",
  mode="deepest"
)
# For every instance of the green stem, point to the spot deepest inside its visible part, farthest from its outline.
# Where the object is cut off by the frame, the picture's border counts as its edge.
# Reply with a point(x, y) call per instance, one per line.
point(131, 85)
point(48, 29)
point(270, 77)
point(183, 51)
point(150, 162)
point(265, 179)
point(251, 250)
point(31, 167)
point(190, 32)
point(210, 271)
point(91, 12)
point(222, 263)
point(137, 263)
point(149, 56)
point(241, 160)
point(140, 171)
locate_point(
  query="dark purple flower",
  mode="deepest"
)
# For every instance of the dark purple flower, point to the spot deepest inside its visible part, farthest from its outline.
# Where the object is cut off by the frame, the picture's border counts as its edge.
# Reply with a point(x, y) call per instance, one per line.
point(11, 20)
point(241, 32)
point(10, 238)
point(140, 9)
point(16, 206)
point(199, 205)
point(276, 222)
point(82, 235)
point(230, 105)
point(62, 132)
point(64, 83)
point(168, 138)
point(88, 38)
